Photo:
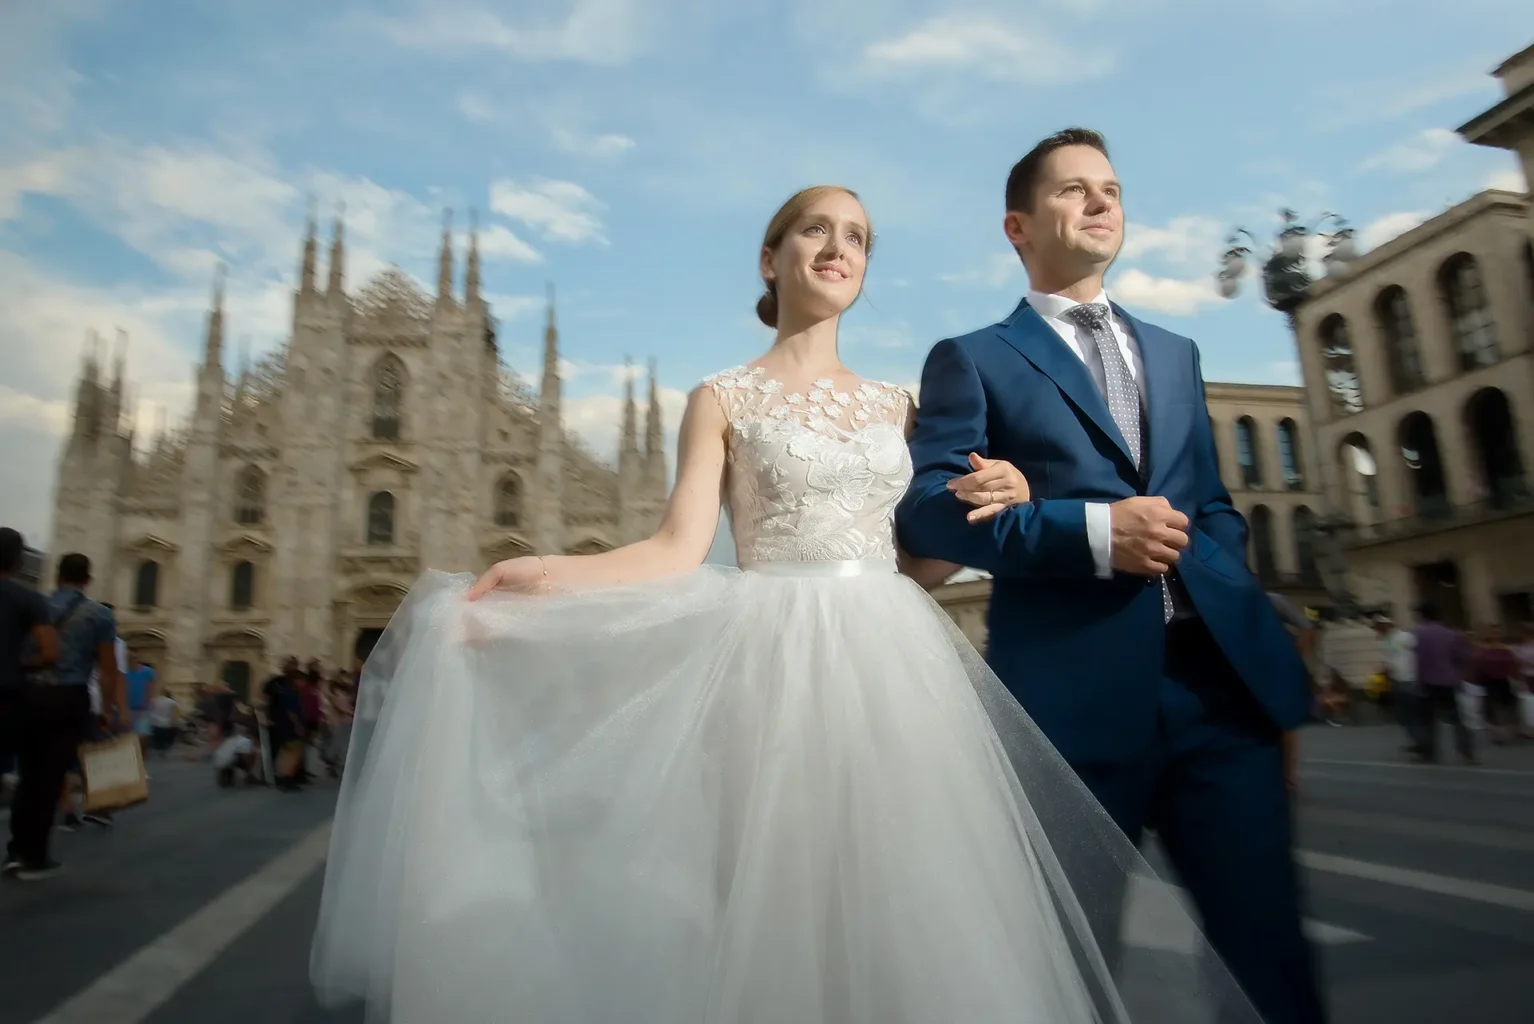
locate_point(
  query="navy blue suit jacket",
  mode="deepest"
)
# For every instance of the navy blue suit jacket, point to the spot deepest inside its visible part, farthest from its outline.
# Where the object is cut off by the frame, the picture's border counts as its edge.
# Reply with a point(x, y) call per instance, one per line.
point(1082, 654)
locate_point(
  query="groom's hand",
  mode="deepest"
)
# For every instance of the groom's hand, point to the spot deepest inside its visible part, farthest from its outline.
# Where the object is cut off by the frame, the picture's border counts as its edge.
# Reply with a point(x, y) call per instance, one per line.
point(1148, 535)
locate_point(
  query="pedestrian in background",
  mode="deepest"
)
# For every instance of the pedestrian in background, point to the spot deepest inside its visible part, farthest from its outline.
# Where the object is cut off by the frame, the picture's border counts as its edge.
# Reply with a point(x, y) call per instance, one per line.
point(26, 625)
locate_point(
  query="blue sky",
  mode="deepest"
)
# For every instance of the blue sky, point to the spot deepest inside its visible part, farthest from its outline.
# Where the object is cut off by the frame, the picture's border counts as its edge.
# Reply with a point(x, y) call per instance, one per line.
point(631, 152)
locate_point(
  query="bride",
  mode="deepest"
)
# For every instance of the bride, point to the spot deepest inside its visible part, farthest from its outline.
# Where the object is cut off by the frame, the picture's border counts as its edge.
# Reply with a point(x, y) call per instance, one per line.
point(631, 787)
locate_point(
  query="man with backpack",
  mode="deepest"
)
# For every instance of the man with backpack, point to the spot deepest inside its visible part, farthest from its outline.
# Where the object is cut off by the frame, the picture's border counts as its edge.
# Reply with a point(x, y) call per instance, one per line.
point(55, 715)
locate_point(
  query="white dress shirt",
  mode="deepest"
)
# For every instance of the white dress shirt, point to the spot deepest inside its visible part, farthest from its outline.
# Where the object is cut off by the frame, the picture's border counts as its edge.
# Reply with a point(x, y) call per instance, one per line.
point(1052, 308)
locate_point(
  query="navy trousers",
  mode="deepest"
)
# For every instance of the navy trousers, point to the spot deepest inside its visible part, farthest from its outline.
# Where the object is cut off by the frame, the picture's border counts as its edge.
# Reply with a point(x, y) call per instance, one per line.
point(1213, 789)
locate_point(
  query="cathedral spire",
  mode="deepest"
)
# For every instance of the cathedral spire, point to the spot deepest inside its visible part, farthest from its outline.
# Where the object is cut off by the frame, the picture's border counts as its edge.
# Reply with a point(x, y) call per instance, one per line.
point(445, 261)
point(548, 395)
point(130, 414)
point(306, 267)
point(88, 393)
point(654, 441)
point(549, 517)
point(111, 415)
point(120, 363)
point(629, 444)
point(337, 255)
point(213, 351)
point(90, 370)
point(471, 272)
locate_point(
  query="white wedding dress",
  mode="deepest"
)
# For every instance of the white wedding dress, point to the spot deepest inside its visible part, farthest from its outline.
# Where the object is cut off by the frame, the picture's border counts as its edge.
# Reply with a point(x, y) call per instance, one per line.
point(786, 794)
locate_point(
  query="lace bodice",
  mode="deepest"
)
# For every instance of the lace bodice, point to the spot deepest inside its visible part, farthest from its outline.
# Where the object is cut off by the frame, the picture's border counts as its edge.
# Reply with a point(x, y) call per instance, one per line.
point(812, 476)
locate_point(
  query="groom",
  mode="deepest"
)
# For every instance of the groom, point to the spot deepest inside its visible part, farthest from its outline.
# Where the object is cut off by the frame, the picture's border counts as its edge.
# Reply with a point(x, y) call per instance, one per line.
point(1122, 615)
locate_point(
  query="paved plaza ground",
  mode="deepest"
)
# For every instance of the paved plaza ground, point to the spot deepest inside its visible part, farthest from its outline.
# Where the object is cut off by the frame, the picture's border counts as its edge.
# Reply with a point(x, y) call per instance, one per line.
point(198, 907)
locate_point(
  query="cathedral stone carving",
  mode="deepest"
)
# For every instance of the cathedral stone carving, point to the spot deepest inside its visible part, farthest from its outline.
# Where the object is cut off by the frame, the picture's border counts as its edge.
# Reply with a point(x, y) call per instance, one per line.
point(294, 509)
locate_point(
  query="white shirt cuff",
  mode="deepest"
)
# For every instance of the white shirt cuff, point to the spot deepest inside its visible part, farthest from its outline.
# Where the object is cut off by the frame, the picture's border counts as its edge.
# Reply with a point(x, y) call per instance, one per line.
point(1100, 537)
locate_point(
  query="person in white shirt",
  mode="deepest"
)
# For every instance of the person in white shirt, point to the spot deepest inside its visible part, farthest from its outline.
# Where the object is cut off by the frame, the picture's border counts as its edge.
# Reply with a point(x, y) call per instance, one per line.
point(1398, 651)
point(163, 710)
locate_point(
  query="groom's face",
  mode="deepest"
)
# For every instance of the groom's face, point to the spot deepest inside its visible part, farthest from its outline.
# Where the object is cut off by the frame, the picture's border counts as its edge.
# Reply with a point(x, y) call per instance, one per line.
point(1076, 222)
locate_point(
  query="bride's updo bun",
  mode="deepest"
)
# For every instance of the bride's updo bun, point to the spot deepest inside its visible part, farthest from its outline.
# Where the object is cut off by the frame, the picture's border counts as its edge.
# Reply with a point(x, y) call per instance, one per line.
point(767, 306)
point(788, 214)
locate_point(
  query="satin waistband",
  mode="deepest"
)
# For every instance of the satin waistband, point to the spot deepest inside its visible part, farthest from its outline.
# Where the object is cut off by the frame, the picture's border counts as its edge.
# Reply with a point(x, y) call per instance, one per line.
point(847, 567)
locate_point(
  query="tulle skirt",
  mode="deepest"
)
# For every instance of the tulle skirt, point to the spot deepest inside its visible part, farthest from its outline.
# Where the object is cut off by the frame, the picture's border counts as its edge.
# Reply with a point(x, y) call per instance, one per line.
point(789, 795)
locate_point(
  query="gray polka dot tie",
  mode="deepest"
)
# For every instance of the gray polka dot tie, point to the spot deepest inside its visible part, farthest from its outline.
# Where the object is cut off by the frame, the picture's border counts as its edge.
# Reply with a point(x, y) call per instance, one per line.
point(1119, 390)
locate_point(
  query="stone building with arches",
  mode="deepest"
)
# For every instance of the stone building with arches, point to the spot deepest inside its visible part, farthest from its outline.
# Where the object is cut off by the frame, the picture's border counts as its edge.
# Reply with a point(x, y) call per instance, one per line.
point(295, 508)
point(1419, 365)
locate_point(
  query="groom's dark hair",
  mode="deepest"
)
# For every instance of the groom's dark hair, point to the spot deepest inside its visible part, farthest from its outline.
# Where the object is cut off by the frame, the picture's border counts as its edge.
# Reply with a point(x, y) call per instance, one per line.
point(1025, 173)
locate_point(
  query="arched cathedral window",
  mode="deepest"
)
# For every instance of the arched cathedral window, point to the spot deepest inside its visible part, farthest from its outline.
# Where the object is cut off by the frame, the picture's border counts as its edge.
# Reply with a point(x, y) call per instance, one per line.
point(250, 497)
point(146, 585)
point(508, 501)
point(242, 586)
point(388, 398)
point(381, 518)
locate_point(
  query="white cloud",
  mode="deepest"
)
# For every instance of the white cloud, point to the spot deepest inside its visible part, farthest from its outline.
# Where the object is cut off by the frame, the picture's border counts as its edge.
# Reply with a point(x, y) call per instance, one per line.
point(19, 409)
point(1381, 230)
point(513, 307)
point(606, 32)
point(1421, 152)
point(559, 210)
point(499, 242)
point(1177, 296)
point(604, 146)
point(43, 175)
point(989, 47)
point(1187, 240)
point(476, 107)
point(1508, 180)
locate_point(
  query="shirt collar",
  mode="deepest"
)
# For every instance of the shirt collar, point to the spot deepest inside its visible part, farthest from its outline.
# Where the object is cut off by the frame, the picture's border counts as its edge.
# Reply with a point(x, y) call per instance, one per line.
point(1052, 307)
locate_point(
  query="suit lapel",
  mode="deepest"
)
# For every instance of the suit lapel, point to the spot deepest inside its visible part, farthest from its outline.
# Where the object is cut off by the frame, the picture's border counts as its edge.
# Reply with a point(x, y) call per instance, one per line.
point(1160, 388)
point(1038, 343)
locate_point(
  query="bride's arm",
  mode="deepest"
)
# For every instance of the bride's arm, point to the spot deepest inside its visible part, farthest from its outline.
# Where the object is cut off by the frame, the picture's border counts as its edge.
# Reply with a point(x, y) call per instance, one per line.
point(928, 572)
point(680, 543)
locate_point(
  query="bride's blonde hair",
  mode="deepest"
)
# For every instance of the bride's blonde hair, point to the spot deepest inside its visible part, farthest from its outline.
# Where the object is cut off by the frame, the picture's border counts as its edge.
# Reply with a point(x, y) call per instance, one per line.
point(787, 215)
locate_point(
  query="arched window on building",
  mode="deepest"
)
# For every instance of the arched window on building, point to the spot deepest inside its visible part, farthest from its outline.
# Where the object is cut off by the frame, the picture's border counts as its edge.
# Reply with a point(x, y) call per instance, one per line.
point(1337, 363)
point(1392, 310)
point(242, 586)
point(1289, 455)
point(1360, 477)
point(381, 518)
point(508, 501)
point(1470, 323)
point(1248, 456)
point(1418, 440)
point(388, 398)
point(1494, 444)
point(146, 585)
point(1263, 563)
point(1306, 539)
point(250, 497)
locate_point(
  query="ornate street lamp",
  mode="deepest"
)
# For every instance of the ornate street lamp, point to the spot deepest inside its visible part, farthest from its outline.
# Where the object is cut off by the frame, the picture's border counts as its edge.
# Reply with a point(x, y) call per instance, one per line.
point(1286, 269)
point(1286, 277)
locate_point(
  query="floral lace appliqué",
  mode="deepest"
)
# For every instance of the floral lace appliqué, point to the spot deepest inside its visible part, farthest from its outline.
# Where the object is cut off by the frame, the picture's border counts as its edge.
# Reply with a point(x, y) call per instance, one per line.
point(813, 475)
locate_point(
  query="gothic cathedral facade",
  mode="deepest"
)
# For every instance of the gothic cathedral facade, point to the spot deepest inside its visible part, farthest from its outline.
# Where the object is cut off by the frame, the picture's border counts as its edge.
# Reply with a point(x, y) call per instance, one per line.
point(296, 507)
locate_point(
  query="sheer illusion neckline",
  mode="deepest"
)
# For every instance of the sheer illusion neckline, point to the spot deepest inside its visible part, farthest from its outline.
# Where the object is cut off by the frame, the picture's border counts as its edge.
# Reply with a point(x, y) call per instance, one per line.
point(824, 403)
